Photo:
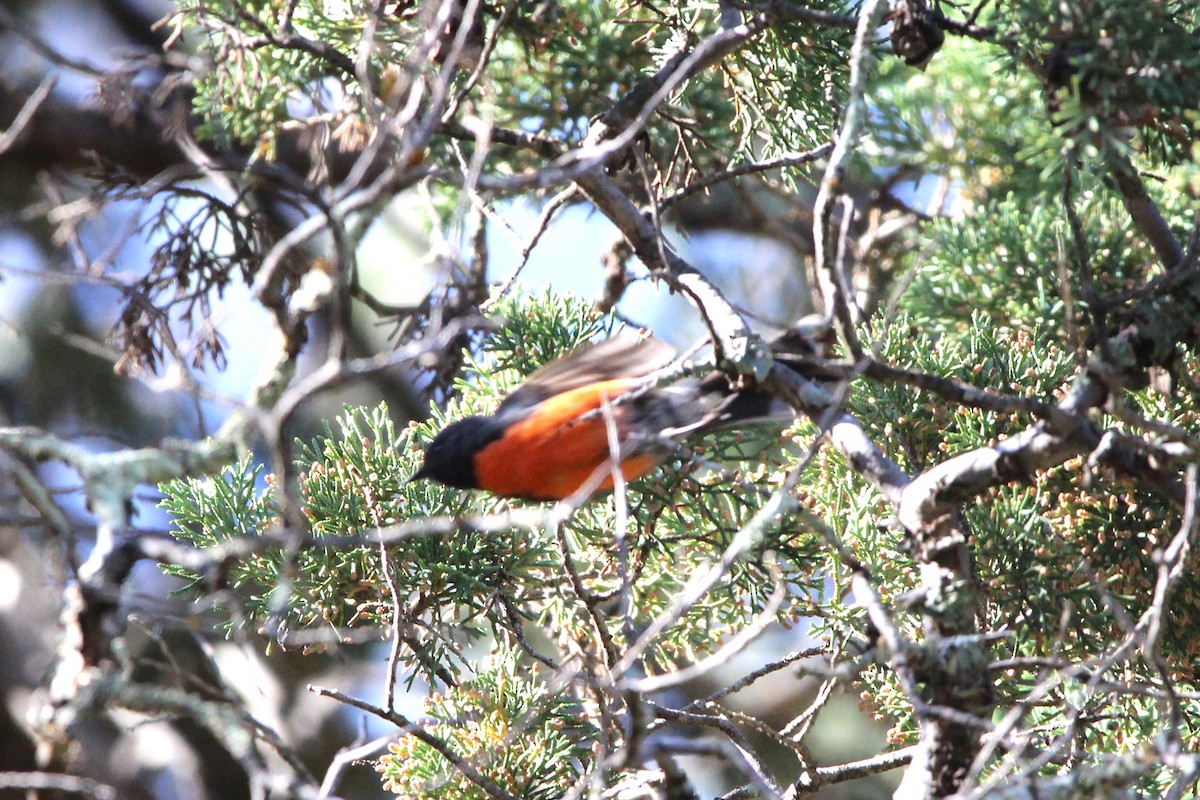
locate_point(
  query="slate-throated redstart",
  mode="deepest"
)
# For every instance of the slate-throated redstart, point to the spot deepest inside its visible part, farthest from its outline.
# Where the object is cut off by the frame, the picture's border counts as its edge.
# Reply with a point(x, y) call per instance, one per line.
point(550, 436)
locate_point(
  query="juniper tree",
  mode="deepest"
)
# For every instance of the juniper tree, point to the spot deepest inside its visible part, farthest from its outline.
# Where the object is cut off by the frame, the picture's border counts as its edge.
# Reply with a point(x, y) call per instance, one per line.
point(982, 512)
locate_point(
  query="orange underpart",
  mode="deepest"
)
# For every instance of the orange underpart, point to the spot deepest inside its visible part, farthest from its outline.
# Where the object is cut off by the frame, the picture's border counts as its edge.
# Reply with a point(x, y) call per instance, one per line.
point(563, 442)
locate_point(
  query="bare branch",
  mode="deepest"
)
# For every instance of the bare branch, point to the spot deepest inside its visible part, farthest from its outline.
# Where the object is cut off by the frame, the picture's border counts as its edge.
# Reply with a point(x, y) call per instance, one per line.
point(852, 770)
point(49, 781)
point(1143, 211)
point(836, 287)
point(708, 181)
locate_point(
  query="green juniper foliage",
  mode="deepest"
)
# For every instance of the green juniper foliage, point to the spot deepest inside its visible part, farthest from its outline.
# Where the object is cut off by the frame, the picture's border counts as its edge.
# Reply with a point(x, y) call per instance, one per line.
point(208, 511)
point(522, 735)
point(257, 81)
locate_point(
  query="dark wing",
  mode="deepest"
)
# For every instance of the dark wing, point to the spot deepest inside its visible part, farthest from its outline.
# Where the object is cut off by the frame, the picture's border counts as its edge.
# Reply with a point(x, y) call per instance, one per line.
point(622, 356)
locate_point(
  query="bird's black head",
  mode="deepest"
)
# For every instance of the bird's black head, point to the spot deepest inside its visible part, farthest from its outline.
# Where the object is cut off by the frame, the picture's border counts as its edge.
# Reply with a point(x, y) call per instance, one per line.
point(450, 457)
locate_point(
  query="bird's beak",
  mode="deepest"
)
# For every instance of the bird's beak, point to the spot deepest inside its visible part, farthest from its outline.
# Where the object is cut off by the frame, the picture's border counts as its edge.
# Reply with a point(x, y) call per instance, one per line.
point(421, 473)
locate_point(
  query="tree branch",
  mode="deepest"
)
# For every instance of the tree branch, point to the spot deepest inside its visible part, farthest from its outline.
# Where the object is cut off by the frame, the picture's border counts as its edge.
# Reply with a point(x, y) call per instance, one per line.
point(1143, 211)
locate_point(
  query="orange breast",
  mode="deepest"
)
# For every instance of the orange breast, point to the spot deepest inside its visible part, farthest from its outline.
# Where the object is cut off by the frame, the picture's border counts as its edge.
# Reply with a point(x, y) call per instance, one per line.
point(556, 449)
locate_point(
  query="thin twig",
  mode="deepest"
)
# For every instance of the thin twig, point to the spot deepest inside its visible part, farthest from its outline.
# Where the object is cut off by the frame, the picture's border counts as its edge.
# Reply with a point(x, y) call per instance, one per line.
point(28, 109)
point(766, 669)
point(552, 207)
point(55, 782)
point(413, 729)
point(727, 651)
point(837, 297)
point(708, 181)
point(852, 770)
point(11, 22)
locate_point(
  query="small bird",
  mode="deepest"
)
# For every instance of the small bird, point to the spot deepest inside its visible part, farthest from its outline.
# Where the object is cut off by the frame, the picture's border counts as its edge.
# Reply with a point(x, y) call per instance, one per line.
point(550, 437)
